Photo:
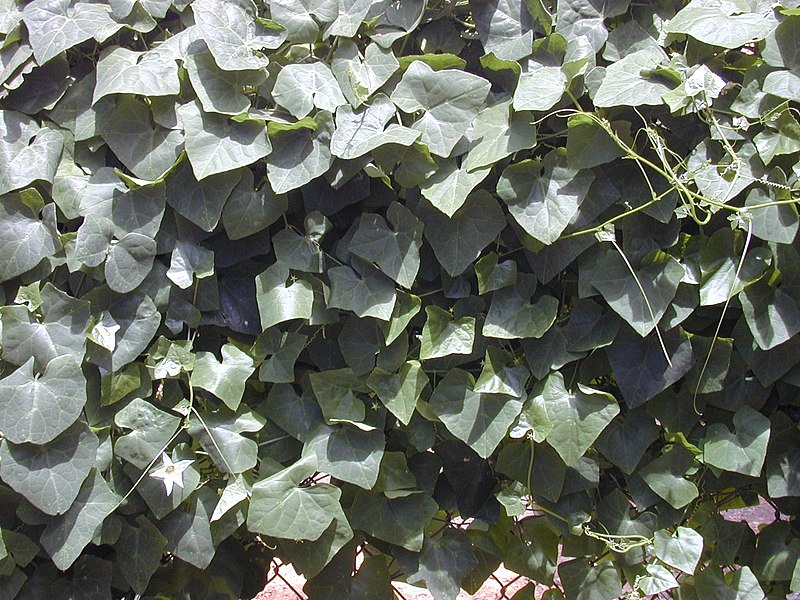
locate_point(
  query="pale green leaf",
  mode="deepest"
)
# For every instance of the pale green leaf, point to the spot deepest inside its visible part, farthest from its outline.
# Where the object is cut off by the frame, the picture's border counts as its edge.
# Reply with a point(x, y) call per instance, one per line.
point(399, 391)
point(28, 152)
point(226, 380)
point(444, 335)
point(299, 88)
point(150, 430)
point(459, 240)
point(631, 81)
point(450, 100)
point(743, 450)
point(66, 536)
point(720, 23)
point(278, 302)
point(50, 476)
point(37, 408)
point(281, 507)
point(215, 144)
point(543, 200)
point(395, 251)
point(219, 91)
point(449, 187)
point(480, 420)
point(220, 434)
point(578, 417)
point(233, 34)
point(123, 71)
point(681, 549)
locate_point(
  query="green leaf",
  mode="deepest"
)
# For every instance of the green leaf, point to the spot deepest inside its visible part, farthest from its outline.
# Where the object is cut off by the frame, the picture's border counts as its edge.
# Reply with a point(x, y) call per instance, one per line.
point(150, 431)
point(37, 408)
point(720, 24)
point(282, 507)
point(512, 316)
point(233, 34)
point(219, 433)
point(123, 71)
point(248, 210)
point(129, 261)
point(64, 321)
point(399, 391)
point(657, 580)
point(499, 132)
point(395, 251)
point(478, 419)
point(299, 416)
point(281, 351)
point(625, 442)
point(505, 28)
point(449, 187)
point(335, 391)
point(94, 238)
point(310, 559)
point(493, 274)
point(540, 89)
point(742, 451)
point(215, 144)
point(500, 375)
point(621, 290)
point(631, 81)
point(146, 148)
point(584, 581)
point(450, 101)
point(58, 25)
point(188, 530)
point(444, 562)
point(278, 302)
point(399, 521)
point(349, 18)
point(666, 476)
point(588, 144)
point(642, 379)
point(299, 88)
point(681, 549)
point(459, 240)
point(67, 535)
point(360, 132)
point(772, 313)
point(50, 476)
point(189, 261)
point(719, 264)
point(364, 290)
point(578, 417)
point(225, 380)
point(140, 549)
point(405, 309)
point(29, 152)
point(349, 453)
point(25, 239)
point(304, 155)
point(361, 76)
point(219, 91)
point(443, 335)
point(543, 200)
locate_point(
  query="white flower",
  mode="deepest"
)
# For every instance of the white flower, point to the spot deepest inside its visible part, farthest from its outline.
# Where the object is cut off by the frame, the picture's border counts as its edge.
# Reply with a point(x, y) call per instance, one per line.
point(171, 473)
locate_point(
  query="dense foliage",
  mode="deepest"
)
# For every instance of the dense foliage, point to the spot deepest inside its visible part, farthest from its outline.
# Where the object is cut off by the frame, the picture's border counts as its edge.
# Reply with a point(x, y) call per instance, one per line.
point(439, 284)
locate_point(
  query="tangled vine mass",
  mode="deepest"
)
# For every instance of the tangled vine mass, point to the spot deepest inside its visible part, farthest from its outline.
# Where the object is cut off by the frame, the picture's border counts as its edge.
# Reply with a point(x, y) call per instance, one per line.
point(399, 290)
